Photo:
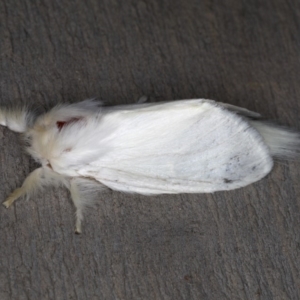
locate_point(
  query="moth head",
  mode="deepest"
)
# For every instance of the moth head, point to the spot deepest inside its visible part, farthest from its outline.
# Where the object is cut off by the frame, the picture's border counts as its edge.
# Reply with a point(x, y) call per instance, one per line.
point(39, 139)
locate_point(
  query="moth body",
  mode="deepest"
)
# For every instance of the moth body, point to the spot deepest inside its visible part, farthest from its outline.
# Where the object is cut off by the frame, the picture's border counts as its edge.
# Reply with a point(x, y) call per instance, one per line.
point(188, 146)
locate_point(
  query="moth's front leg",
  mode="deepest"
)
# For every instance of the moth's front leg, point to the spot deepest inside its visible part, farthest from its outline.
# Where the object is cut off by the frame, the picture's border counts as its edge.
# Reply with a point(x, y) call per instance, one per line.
point(17, 193)
point(29, 185)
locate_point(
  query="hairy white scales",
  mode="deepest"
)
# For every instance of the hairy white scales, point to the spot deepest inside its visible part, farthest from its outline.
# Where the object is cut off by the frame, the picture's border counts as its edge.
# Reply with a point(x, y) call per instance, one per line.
point(188, 146)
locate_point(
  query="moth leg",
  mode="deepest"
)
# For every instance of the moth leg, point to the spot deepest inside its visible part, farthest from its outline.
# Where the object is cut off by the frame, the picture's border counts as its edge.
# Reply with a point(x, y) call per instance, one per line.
point(29, 185)
point(17, 193)
point(75, 195)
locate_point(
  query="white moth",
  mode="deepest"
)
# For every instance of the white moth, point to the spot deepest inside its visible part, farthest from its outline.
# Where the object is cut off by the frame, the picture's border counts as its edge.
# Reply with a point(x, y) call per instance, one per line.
point(188, 146)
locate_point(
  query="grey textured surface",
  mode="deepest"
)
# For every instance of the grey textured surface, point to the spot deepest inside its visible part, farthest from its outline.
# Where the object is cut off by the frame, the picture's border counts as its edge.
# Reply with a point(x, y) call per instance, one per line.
point(243, 244)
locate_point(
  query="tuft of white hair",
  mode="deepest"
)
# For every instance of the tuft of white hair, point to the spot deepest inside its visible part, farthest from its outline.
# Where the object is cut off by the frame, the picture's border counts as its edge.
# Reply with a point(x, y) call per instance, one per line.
point(282, 142)
point(17, 120)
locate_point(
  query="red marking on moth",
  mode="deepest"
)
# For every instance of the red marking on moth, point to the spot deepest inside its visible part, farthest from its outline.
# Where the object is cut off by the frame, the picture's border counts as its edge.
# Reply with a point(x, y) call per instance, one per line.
point(49, 166)
point(61, 124)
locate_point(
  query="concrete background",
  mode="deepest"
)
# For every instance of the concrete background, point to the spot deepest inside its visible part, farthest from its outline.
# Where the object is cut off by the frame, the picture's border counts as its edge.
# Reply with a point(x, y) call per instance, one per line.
point(242, 244)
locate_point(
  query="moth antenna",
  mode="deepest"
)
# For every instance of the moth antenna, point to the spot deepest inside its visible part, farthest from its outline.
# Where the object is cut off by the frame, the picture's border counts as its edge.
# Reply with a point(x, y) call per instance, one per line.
point(17, 120)
point(241, 111)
